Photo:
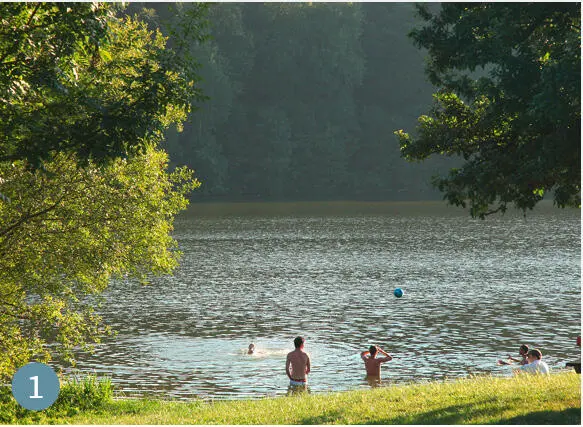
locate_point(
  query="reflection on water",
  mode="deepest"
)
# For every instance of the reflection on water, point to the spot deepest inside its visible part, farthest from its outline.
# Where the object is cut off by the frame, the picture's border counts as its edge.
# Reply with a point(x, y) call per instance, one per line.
point(474, 291)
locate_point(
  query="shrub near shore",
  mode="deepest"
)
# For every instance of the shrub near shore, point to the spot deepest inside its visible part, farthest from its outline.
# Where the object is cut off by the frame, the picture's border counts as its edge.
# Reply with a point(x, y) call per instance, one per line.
point(554, 399)
point(75, 396)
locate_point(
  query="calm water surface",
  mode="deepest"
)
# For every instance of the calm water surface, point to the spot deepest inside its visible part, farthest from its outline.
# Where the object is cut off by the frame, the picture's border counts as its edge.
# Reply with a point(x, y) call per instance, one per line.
point(474, 291)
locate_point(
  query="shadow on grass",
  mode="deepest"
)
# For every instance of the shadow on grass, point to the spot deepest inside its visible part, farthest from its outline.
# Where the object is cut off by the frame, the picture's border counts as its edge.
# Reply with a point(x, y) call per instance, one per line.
point(464, 413)
point(566, 416)
point(454, 414)
point(325, 418)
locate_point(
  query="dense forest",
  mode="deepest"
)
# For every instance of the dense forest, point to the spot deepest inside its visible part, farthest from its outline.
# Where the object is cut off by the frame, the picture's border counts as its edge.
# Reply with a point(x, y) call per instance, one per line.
point(303, 102)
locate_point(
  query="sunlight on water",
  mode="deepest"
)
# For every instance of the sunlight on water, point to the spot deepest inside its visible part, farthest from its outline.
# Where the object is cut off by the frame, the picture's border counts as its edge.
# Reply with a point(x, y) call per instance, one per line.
point(474, 291)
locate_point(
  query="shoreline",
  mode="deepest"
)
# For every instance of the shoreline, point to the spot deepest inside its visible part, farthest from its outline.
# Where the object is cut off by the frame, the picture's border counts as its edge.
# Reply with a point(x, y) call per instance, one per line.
point(120, 395)
point(523, 399)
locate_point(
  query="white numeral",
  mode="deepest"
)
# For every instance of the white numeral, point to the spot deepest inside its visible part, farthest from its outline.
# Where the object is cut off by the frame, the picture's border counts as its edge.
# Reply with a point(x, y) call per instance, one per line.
point(35, 396)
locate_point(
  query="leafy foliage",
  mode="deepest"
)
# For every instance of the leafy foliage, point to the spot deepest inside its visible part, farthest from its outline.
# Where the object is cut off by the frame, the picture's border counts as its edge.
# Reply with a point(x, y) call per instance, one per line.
point(74, 77)
point(86, 94)
point(509, 103)
point(75, 396)
point(66, 232)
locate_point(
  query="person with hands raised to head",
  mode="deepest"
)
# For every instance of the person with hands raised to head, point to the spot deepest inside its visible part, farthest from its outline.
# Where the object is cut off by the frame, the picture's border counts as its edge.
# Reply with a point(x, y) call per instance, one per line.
point(373, 363)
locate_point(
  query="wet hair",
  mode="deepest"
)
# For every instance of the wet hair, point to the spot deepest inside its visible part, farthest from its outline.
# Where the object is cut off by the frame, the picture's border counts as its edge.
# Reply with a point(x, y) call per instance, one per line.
point(524, 348)
point(372, 350)
point(298, 342)
point(535, 353)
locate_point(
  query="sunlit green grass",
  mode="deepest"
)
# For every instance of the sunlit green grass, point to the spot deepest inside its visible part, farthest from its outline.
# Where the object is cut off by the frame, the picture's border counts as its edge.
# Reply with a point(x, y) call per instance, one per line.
point(554, 399)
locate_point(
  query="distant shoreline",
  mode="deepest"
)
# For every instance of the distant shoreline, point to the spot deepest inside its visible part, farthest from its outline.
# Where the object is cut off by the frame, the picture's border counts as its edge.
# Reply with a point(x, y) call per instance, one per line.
point(347, 207)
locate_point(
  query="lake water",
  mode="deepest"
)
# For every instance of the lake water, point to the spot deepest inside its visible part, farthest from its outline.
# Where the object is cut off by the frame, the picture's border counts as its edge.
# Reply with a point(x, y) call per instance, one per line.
point(264, 273)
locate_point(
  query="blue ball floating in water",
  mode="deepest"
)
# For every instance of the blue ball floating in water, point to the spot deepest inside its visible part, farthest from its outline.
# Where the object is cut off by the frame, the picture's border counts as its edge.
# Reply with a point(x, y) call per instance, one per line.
point(398, 292)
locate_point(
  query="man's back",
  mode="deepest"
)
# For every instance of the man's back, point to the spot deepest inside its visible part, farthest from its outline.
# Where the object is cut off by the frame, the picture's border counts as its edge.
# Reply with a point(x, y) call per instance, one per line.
point(536, 367)
point(372, 363)
point(300, 364)
point(373, 366)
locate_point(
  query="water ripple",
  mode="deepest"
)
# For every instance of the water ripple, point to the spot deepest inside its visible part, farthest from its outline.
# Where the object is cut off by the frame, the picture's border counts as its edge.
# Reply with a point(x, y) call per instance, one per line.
point(474, 291)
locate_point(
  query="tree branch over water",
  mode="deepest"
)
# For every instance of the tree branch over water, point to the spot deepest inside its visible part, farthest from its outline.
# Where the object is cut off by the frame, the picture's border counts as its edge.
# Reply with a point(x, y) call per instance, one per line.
point(517, 125)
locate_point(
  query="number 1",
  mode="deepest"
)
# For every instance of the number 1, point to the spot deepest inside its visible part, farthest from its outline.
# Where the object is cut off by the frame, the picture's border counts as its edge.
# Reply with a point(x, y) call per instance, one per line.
point(35, 396)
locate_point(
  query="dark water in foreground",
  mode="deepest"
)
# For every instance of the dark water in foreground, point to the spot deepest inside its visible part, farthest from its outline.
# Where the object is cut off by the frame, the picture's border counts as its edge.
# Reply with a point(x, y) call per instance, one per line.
point(474, 291)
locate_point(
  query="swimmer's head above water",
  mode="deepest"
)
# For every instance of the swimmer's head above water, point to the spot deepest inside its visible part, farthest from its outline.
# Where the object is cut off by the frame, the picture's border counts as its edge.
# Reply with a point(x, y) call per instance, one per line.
point(251, 348)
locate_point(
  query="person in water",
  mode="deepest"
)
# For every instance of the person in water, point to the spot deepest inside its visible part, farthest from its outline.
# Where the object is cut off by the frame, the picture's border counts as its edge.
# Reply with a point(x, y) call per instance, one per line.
point(373, 364)
point(251, 349)
point(522, 351)
point(297, 365)
point(535, 364)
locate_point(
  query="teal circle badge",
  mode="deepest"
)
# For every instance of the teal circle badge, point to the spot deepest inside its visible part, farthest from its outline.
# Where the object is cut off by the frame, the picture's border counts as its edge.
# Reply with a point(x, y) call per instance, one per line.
point(35, 386)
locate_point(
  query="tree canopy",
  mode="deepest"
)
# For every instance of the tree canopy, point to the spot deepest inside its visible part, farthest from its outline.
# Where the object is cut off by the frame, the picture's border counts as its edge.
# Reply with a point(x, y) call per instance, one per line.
point(86, 94)
point(508, 102)
point(75, 77)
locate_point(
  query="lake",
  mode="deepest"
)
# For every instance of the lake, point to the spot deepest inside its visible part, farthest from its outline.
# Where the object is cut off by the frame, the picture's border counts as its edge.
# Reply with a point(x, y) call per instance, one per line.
point(264, 273)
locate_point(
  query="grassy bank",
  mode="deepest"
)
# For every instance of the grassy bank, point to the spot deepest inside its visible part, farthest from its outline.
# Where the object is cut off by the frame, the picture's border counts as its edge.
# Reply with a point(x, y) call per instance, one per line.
point(555, 399)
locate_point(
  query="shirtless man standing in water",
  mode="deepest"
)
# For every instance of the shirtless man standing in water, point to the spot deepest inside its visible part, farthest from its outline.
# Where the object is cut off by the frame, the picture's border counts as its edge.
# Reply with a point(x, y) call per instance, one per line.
point(297, 365)
point(373, 364)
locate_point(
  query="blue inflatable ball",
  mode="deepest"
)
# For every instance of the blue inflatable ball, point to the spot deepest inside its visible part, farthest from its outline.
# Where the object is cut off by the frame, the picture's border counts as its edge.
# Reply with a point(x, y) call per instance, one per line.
point(398, 292)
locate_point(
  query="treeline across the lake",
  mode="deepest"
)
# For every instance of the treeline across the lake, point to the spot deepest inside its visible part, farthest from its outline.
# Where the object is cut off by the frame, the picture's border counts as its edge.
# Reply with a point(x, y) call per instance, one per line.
point(303, 102)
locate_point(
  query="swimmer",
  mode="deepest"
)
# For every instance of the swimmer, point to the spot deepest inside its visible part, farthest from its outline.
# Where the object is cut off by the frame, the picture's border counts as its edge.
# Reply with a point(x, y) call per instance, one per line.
point(251, 349)
point(522, 351)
